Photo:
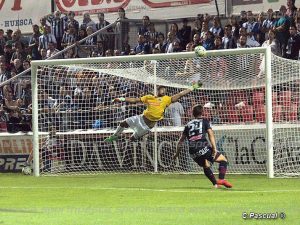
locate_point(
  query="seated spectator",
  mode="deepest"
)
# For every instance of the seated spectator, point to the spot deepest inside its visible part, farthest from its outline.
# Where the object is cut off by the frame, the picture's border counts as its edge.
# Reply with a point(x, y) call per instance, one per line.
point(250, 42)
point(176, 46)
point(228, 40)
point(8, 52)
point(217, 29)
point(242, 43)
point(142, 47)
point(18, 65)
point(81, 34)
point(170, 39)
point(161, 43)
point(196, 40)
point(9, 36)
point(175, 31)
point(88, 22)
point(252, 27)
point(185, 33)
point(273, 42)
point(293, 45)
point(218, 43)
point(43, 53)
point(106, 39)
point(4, 73)
point(145, 26)
point(52, 51)
point(2, 41)
point(260, 37)
point(18, 54)
point(208, 42)
point(70, 53)
point(34, 43)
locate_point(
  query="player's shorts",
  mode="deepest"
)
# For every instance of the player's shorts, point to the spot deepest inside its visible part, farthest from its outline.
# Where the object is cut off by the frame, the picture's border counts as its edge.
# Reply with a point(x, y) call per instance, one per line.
point(200, 159)
point(138, 125)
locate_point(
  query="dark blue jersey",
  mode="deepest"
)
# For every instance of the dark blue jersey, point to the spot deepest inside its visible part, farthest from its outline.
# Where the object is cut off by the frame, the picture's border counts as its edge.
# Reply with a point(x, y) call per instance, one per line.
point(196, 131)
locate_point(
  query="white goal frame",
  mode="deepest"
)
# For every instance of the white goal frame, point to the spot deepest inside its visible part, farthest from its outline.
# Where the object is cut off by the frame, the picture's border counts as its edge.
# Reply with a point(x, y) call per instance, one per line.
point(266, 52)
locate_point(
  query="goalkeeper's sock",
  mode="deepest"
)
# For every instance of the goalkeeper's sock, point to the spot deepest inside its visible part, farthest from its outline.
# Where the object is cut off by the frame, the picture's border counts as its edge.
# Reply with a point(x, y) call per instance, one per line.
point(222, 169)
point(210, 175)
point(119, 131)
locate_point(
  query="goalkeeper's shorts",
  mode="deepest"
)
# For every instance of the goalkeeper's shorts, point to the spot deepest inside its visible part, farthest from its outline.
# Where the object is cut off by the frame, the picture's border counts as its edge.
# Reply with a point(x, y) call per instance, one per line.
point(138, 125)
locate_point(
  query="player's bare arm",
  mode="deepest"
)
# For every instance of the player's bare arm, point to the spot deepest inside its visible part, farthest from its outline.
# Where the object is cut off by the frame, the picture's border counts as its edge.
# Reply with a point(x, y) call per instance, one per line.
point(129, 100)
point(178, 146)
point(195, 86)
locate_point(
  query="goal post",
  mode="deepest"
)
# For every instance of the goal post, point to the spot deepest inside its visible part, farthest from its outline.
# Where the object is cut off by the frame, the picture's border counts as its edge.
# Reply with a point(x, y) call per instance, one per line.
point(73, 97)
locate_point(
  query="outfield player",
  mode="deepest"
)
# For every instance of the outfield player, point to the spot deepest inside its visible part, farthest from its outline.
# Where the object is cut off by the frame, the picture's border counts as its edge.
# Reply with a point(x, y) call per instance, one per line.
point(200, 150)
point(156, 105)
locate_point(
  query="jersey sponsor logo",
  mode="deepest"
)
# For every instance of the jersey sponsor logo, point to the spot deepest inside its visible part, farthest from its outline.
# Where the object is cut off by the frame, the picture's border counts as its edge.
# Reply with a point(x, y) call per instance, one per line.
point(195, 138)
point(201, 152)
point(154, 103)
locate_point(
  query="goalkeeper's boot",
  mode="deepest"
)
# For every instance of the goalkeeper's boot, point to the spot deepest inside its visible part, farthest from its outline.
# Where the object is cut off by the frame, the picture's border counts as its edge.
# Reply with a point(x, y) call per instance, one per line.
point(111, 138)
point(225, 183)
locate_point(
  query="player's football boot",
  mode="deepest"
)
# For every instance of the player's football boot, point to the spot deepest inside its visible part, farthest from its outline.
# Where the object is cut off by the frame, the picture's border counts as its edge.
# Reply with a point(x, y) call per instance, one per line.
point(111, 138)
point(225, 183)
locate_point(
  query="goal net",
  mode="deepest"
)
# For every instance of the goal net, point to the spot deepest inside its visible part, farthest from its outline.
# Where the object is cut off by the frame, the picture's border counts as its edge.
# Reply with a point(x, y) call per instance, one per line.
point(73, 112)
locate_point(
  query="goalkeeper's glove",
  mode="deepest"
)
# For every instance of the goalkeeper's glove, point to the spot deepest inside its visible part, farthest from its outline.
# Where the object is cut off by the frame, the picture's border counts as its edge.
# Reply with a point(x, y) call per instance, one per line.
point(195, 85)
point(122, 99)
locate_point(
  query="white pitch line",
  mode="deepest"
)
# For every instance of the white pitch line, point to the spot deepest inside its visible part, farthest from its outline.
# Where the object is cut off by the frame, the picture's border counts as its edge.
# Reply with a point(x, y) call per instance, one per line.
point(157, 190)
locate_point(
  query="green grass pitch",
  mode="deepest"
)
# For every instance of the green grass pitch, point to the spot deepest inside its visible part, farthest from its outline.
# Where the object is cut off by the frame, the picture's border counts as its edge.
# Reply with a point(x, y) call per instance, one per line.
point(139, 199)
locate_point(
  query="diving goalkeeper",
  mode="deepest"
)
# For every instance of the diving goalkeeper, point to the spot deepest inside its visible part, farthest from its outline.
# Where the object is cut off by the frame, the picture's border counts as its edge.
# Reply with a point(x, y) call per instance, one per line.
point(156, 105)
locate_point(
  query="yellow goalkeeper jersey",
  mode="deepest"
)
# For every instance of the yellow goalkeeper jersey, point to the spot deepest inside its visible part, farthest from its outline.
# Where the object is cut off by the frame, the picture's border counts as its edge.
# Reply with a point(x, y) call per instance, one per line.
point(155, 106)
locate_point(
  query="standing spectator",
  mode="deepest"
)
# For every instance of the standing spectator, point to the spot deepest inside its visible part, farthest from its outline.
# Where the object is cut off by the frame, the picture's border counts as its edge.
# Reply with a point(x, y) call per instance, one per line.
point(106, 39)
point(197, 25)
point(34, 43)
point(208, 42)
point(2, 41)
point(88, 22)
point(18, 54)
point(43, 24)
point(273, 43)
point(8, 52)
point(145, 26)
point(185, 33)
point(9, 33)
point(70, 36)
point(161, 43)
point(261, 34)
point(291, 9)
point(81, 34)
point(268, 23)
point(46, 38)
point(52, 50)
point(235, 27)
point(90, 40)
point(175, 111)
point(252, 27)
point(243, 18)
point(122, 31)
point(142, 47)
point(293, 46)
point(43, 53)
point(152, 35)
point(217, 29)
point(71, 20)
point(58, 26)
point(204, 30)
point(282, 30)
point(4, 74)
point(228, 40)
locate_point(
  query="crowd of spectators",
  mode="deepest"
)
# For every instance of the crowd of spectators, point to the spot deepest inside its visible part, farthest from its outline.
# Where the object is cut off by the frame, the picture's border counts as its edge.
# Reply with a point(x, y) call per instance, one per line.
point(279, 29)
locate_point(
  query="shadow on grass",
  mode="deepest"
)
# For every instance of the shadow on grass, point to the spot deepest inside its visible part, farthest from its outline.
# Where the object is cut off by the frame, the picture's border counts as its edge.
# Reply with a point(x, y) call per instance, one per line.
point(18, 211)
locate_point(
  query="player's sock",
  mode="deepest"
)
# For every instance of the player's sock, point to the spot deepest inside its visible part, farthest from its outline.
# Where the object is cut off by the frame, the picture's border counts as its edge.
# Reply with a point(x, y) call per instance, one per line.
point(119, 130)
point(210, 175)
point(222, 169)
